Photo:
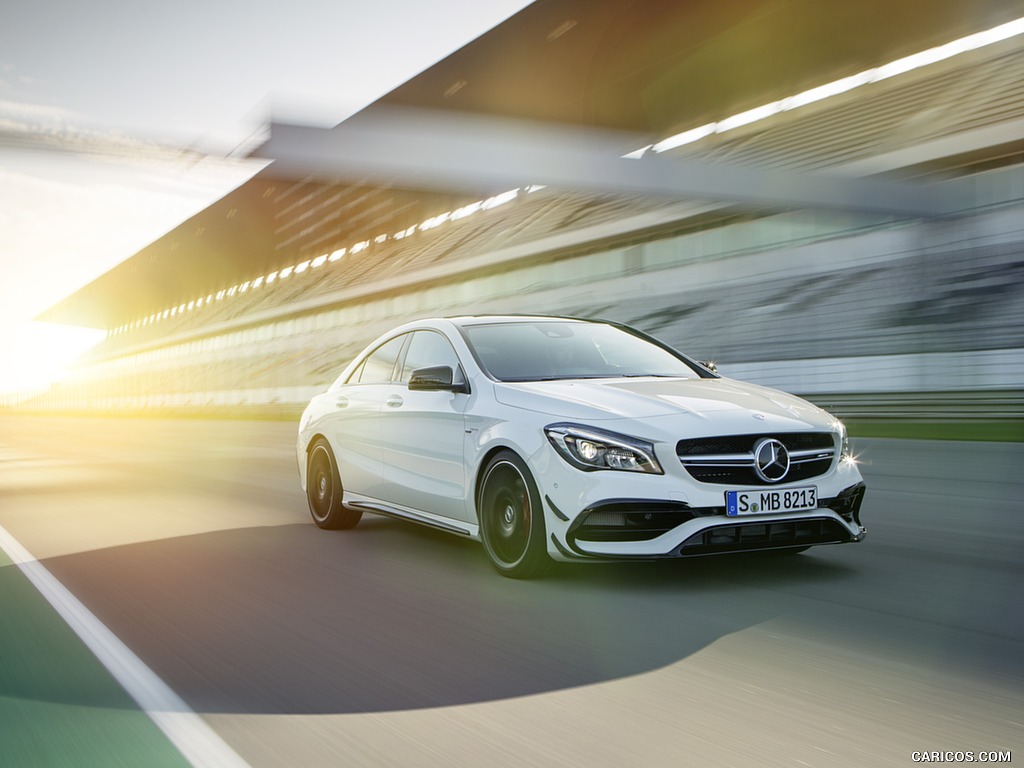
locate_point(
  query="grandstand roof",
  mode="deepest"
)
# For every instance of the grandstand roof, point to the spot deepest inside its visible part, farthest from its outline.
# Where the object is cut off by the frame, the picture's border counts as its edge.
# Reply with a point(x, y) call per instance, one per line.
point(648, 67)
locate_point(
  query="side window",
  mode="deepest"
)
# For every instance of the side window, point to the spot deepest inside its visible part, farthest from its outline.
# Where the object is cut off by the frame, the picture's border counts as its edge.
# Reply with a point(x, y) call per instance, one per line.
point(380, 365)
point(429, 348)
point(354, 376)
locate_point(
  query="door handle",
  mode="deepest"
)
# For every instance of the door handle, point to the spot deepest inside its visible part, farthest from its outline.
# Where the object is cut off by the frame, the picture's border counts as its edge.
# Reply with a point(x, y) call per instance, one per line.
point(394, 401)
point(341, 402)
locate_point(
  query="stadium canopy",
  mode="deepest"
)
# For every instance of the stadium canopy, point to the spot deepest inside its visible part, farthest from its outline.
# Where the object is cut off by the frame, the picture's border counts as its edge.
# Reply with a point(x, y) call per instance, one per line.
point(569, 84)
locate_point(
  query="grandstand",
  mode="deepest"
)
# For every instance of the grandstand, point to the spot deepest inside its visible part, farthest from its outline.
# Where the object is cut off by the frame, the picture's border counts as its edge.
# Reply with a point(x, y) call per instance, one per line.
point(259, 301)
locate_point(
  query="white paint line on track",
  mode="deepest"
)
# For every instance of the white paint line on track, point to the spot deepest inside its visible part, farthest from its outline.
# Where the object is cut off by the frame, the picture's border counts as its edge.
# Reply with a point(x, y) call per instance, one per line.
point(199, 744)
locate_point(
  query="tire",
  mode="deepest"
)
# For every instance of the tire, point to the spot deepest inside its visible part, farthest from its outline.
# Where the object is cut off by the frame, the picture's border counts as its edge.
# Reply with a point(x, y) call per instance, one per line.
point(324, 490)
point(512, 519)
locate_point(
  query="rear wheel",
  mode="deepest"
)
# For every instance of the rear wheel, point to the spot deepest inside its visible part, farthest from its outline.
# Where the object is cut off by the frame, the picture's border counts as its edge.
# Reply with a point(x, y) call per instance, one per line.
point(512, 518)
point(324, 490)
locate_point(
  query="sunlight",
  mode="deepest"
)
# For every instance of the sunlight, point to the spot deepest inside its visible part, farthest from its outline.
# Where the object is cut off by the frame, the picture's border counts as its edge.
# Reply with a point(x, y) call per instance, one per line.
point(36, 355)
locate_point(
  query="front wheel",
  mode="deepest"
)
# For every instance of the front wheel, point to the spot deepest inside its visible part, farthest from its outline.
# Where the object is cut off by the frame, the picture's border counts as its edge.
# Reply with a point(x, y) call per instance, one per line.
point(324, 490)
point(512, 518)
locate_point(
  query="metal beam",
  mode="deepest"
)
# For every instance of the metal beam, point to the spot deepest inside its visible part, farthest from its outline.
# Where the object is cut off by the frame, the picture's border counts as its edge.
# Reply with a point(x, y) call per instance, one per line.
point(469, 153)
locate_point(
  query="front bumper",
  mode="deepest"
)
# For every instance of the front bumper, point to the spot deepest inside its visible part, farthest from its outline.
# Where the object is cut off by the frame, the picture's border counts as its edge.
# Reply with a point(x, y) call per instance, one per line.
point(683, 523)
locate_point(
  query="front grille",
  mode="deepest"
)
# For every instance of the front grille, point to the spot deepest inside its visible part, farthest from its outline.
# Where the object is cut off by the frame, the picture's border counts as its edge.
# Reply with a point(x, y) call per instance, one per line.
point(753, 536)
point(729, 459)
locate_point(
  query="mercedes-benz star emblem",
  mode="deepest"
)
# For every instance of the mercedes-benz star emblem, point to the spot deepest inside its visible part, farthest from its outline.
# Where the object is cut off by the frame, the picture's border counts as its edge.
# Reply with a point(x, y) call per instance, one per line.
point(771, 460)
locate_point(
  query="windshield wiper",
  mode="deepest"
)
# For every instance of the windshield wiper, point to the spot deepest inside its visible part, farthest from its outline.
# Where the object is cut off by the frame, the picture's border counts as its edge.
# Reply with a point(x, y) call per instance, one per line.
point(563, 377)
point(579, 376)
point(652, 376)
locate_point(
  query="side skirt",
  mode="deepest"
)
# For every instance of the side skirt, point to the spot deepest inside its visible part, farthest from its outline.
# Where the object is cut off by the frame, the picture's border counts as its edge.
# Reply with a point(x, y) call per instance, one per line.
point(413, 515)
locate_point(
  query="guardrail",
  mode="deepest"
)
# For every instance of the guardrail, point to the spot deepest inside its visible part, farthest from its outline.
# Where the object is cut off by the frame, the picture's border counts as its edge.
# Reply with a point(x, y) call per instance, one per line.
point(981, 405)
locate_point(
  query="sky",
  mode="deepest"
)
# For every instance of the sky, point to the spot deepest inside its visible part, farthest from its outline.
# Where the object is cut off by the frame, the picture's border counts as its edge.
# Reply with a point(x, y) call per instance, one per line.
point(168, 91)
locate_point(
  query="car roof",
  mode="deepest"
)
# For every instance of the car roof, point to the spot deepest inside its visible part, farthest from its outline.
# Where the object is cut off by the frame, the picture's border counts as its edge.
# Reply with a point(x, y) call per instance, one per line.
point(466, 320)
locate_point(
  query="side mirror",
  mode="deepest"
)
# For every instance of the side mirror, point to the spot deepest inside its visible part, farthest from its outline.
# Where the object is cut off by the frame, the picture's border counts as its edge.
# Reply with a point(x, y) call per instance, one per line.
point(438, 378)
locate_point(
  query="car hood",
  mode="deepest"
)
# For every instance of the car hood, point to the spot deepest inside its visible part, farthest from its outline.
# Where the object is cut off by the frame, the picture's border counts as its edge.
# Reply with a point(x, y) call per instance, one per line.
point(718, 400)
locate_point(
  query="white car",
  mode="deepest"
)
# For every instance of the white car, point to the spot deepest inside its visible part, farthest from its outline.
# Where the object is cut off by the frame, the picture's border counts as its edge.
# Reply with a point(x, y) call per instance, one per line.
point(564, 439)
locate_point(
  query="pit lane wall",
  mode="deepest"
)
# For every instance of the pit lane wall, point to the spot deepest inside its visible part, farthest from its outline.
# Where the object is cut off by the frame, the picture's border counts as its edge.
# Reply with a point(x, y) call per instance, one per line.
point(866, 313)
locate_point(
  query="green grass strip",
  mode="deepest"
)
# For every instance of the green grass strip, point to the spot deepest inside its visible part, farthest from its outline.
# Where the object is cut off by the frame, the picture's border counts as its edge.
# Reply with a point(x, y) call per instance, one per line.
point(58, 705)
point(1005, 431)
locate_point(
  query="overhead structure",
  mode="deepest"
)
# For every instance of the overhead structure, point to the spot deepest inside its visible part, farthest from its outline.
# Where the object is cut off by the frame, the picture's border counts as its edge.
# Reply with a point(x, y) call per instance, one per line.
point(452, 152)
point(566, 89)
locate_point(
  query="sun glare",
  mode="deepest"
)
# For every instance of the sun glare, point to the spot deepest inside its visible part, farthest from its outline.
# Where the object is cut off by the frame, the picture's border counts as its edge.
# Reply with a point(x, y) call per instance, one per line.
point(36, 355)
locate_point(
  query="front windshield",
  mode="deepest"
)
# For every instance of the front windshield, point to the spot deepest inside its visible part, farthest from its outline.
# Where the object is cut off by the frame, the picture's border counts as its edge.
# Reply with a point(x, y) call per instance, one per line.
point(563, 349)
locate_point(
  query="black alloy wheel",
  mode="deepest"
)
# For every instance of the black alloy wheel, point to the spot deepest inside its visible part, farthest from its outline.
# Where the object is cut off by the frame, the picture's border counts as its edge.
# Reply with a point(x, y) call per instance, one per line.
point(512, 519)
point(324, 490)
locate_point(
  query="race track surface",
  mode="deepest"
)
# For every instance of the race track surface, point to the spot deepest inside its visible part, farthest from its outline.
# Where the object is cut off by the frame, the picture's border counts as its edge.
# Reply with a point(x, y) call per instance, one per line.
point(395, 645)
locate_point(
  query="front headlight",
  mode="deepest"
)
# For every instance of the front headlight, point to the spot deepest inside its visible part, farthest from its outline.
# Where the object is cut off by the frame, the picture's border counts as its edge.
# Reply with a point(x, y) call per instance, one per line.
point(844, 441)
point(591, 449)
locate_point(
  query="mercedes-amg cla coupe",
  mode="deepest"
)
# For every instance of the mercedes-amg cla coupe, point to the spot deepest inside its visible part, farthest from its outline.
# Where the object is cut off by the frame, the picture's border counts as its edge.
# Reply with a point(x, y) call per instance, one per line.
point(562, 439)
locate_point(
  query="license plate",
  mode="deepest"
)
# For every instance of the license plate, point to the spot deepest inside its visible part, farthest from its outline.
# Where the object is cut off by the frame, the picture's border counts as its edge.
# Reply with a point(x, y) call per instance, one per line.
point(770, 502)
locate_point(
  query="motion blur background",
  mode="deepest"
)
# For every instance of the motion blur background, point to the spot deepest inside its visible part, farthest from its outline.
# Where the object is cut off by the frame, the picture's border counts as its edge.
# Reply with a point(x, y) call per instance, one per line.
point(870, 307)
point(226, 202)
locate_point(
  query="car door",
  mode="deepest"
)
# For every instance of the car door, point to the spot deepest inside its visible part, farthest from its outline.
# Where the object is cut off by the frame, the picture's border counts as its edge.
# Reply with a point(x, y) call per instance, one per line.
point(423, 434)
point(353, 426)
